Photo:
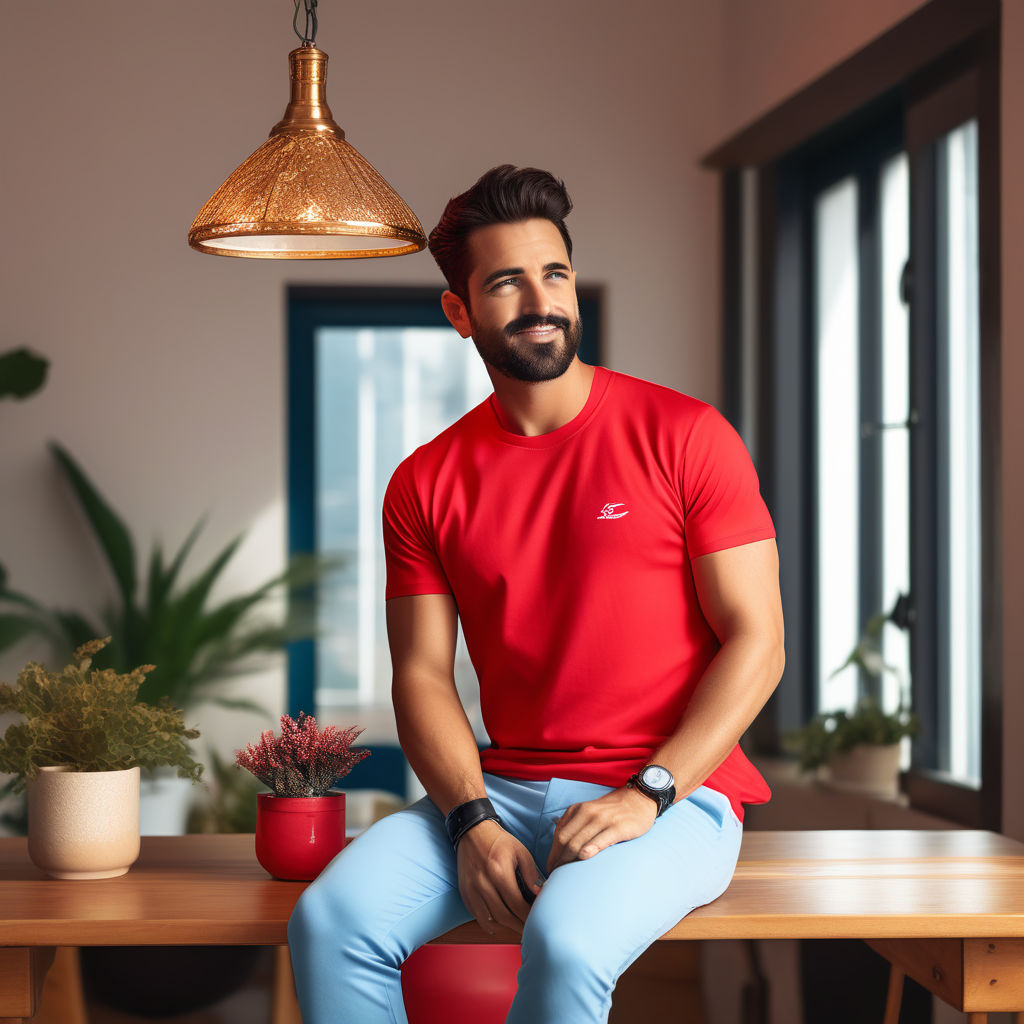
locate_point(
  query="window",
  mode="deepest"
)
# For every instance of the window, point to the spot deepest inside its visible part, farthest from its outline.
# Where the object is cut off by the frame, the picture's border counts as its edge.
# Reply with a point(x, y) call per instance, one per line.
point(868, 389)
point(373, 374)
point(859, 346)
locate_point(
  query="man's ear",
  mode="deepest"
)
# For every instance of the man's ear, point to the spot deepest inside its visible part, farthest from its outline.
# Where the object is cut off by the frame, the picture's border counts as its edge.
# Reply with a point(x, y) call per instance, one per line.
point(458, 316)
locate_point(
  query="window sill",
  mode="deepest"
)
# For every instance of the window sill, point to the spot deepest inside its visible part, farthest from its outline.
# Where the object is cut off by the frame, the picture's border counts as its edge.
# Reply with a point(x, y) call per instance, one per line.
point(802, 802)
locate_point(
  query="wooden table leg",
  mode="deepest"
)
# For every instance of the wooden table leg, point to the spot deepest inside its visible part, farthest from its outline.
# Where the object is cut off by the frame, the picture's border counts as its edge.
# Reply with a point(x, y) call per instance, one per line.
point(894, 999)
point(977, 1018)
point(285, 1004)
point(22, 970)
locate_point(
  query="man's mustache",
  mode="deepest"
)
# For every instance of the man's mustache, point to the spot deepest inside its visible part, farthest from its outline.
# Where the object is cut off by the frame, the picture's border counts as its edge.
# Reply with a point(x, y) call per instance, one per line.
point(531, 320)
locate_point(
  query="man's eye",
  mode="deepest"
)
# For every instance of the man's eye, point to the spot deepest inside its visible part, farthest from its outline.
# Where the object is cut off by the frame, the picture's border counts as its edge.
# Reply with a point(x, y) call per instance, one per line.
point(560, 274)
point(501, 284)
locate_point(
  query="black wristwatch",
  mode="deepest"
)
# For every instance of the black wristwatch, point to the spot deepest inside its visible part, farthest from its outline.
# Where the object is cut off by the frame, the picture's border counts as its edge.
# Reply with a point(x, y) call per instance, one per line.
point(657, 783)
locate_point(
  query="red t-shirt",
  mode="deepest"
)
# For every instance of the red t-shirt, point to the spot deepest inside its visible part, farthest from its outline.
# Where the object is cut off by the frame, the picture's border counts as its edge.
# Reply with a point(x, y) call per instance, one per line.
point(568, 555)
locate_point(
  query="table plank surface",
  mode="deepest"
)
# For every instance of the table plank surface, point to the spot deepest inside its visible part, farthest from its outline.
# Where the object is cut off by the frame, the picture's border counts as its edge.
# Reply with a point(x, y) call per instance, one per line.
point(210, 890)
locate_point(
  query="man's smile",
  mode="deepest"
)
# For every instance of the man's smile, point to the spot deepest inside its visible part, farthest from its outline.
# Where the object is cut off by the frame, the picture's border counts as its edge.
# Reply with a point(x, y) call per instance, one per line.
point(546, 332)
point(539, 329)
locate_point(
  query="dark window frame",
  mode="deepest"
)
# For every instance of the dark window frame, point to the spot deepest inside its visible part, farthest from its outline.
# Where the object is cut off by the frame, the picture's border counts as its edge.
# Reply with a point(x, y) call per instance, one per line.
point(921, 65)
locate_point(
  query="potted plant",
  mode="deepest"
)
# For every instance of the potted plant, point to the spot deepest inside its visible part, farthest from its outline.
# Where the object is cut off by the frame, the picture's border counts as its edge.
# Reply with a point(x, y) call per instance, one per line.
point(300, 824)
point(859, 749)
point(84, 737)
point(196, 644)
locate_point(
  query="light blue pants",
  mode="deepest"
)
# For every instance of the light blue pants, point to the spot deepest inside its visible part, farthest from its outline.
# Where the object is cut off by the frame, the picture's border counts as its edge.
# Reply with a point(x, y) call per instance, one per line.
point(396, 887)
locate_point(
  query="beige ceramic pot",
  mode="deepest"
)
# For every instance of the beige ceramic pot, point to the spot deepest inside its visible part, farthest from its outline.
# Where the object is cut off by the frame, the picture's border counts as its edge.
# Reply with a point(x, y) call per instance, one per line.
point(872, 770)
point(83, 824)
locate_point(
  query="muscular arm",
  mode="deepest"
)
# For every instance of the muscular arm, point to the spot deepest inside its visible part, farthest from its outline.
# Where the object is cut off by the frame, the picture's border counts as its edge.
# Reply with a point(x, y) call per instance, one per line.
point(436, 737)
point(433, 729)
point(738, 590)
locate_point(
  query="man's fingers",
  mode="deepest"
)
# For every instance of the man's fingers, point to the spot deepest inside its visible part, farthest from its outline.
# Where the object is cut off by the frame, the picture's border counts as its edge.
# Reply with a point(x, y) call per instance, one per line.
point(480, 911)
point(496, 904)
point(488, 916)
point(570, 839)
point(603, 839)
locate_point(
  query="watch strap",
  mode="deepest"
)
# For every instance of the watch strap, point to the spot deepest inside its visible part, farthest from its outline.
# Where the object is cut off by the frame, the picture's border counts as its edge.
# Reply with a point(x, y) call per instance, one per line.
point(664, 798)
point(465, 816)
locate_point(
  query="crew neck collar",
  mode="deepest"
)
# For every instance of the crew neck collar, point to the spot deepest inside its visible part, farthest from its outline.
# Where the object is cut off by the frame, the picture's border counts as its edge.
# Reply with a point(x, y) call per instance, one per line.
point(598, 388)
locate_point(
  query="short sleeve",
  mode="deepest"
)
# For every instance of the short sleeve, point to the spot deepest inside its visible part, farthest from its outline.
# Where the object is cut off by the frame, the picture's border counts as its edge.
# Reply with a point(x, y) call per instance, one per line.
point(722, 502)
point(409, 552)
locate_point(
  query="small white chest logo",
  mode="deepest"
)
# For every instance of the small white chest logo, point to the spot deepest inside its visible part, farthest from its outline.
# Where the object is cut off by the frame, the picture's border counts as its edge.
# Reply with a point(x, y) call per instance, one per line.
point(609, 511)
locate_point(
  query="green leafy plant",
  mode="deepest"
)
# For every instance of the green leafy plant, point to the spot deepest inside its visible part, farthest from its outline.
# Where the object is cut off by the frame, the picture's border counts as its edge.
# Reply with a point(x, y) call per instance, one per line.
point(195, 645)
point(839, 731)
point(836, 732)
point(90, 720)
point(22, 373)
point(304, 760)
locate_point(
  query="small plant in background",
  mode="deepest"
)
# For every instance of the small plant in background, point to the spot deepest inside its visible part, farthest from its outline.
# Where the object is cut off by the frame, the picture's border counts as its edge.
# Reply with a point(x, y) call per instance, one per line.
point(840, 731)
point(304, 760)
point(867, 724)
point(90, 720)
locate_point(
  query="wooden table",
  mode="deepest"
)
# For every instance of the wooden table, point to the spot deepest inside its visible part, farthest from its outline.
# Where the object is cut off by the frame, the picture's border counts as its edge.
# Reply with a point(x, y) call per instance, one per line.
point(946, 908)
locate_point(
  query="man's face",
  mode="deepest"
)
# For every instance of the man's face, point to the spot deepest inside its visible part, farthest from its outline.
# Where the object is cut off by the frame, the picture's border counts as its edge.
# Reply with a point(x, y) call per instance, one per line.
point(522, 310)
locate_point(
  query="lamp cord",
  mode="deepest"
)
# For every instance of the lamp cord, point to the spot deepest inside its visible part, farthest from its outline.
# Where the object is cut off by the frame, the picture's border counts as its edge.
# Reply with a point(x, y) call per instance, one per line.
point(308, 37)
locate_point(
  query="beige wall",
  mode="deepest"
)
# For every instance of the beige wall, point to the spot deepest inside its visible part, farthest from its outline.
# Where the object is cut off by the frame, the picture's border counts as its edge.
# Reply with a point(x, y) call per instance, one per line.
point(167, 376)
point(774, 48)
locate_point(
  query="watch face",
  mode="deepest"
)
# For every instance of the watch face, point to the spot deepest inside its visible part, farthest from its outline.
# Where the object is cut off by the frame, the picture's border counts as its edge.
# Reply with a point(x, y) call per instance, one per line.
point(656, 777)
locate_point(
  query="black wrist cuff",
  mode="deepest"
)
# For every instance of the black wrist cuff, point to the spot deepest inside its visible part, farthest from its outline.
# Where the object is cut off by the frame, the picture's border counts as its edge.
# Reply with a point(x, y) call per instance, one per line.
point(468, 815)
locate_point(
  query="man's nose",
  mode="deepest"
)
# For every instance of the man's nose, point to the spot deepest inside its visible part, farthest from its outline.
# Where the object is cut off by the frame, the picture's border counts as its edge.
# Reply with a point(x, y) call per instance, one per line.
point(536, 298)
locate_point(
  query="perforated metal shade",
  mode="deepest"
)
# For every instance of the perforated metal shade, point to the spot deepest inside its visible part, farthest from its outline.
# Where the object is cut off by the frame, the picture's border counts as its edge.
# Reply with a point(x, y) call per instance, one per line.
point(306, 193)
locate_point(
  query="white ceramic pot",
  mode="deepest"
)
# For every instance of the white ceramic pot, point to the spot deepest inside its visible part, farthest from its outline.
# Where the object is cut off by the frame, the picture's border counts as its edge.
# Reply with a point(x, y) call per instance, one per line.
point(865, 768)
point(83, 824)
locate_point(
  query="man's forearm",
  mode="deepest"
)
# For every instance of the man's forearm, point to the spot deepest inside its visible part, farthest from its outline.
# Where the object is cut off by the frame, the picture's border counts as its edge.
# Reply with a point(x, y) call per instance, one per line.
point(438, 740)
point(732, 690)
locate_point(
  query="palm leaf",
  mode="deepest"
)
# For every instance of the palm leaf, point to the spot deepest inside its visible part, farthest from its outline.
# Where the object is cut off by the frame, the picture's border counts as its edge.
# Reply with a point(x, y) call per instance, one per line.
point(110, 531)
point(162, 583)
point(240, 704)
point(77, 630)
point(16, 627)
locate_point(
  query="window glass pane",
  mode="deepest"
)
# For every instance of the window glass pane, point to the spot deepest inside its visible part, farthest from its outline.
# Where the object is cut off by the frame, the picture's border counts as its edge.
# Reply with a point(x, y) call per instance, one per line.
point(838, 439)
point(958, 203)
point(894, 196)
point(381, 392)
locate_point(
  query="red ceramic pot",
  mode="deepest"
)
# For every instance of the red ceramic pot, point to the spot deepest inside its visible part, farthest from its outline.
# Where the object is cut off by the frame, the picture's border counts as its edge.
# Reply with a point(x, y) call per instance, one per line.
point(297, 837)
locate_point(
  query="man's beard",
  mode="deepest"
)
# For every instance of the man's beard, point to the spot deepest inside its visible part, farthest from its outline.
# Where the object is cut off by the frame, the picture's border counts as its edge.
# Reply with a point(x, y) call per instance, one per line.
point(524, 360)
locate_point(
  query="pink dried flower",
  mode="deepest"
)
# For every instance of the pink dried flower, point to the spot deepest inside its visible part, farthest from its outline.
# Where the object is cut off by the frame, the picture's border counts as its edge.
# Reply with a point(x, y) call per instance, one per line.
point(304, 760)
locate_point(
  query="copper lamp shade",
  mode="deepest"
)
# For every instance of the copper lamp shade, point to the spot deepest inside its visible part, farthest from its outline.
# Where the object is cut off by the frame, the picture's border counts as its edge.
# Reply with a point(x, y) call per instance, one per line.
point(306, 193)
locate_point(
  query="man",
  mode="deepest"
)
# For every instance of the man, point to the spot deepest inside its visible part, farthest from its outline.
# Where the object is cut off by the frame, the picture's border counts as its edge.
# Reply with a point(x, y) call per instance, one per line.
point(605, 546)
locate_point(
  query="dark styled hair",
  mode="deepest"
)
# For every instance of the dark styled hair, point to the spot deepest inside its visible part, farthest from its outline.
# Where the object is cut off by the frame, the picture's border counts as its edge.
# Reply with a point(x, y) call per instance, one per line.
point(504, 195)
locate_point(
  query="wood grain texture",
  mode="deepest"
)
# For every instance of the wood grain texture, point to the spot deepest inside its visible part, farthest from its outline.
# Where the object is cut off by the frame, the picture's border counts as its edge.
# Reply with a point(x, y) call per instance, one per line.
point(936, 964)
point(993, 974)
point(22, 972)
point(894, 996)
point(210, 889)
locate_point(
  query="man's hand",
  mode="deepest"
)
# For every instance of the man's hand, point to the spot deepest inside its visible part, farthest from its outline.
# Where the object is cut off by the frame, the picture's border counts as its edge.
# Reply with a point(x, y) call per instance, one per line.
point(587, 828)
point(488, 858)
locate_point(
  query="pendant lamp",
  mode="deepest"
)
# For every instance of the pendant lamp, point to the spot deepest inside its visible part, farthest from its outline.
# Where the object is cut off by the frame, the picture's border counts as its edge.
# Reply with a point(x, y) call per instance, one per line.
point(306, 193)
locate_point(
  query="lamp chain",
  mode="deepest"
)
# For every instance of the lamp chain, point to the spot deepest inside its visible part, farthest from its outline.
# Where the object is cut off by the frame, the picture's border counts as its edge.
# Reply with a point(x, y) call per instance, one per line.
point(308, 37)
